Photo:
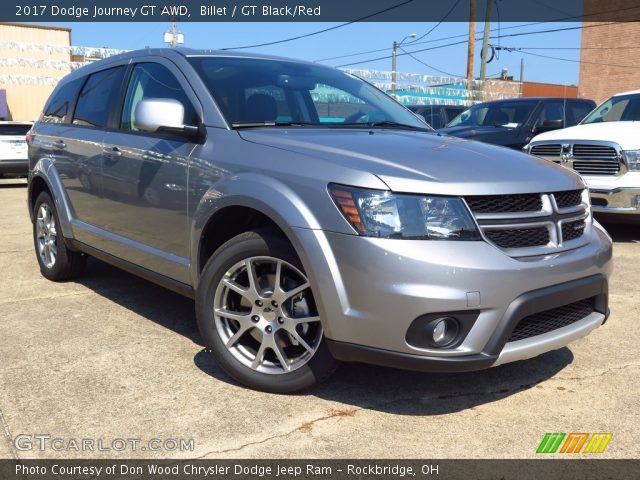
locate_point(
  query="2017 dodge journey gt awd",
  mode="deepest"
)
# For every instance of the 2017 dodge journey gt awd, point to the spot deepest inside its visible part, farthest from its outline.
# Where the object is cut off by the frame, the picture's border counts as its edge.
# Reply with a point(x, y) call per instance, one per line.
point(313, 218)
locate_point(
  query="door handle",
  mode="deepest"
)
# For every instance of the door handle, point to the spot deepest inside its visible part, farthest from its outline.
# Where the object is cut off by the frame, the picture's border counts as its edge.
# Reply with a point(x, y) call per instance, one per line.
point(59, 145)
point(113, 152)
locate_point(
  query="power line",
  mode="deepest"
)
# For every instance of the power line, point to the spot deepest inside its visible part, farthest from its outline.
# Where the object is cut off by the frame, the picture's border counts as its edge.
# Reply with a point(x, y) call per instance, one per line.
point(464, 41)
point(512, 49)
point(429, 66)
point(438, 24)
point(579, 61)
point(319, 31)
point(492, 30)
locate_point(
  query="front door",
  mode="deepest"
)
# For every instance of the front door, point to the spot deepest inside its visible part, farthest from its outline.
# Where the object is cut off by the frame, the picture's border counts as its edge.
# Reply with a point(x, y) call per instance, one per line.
point(145, 178)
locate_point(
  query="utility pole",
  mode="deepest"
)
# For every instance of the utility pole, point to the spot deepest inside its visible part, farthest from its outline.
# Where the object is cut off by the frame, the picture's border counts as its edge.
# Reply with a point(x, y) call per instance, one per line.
point(521, 75)
point(174, 34)
point(394, 52)
point(471, 45)
point(485, 42)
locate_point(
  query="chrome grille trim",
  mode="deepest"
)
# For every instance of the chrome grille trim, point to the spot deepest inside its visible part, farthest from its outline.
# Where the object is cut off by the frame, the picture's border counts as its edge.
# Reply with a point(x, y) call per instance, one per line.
point(552, 218)
point(587, 157)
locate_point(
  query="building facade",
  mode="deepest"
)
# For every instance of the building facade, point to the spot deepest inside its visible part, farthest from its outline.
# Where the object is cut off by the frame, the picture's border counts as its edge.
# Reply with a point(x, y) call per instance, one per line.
point(609, 51)
point(32, 60)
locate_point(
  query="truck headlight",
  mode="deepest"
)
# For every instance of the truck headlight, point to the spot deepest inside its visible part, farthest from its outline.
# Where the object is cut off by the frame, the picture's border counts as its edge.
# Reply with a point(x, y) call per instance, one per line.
point(379, 213)
point(632, 158)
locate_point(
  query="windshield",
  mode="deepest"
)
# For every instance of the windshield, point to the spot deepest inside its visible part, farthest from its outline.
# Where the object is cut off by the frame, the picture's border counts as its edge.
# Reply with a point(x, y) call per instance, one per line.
point(255, 92)
point(621, 108)
point(503, 114)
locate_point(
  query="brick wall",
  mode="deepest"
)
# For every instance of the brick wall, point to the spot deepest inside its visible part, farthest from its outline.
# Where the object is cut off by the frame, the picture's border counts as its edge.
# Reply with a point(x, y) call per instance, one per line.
point(599, 79)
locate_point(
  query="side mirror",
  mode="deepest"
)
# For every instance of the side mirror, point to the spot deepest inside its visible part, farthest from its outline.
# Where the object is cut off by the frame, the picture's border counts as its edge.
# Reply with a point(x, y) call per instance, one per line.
point(162, 115)
point(548, 125)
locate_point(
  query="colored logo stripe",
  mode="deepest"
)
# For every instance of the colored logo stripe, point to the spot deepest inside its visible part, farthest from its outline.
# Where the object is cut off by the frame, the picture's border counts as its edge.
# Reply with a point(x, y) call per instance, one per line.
point(550, 443)
point(574, 442)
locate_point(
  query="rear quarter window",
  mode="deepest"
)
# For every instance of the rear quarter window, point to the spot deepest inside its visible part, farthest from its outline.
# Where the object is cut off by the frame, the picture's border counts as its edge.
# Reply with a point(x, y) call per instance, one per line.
point(59, 106)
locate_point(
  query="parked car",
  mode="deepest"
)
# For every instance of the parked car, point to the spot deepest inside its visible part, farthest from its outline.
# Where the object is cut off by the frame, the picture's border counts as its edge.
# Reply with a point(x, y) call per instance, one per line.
point(512, 123)
point(437, 116)
point(307, 241)
point(605, 149)
point(13, 148)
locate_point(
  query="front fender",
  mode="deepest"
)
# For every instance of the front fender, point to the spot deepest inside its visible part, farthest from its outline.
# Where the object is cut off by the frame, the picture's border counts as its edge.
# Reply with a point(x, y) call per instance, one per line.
point(285, 208)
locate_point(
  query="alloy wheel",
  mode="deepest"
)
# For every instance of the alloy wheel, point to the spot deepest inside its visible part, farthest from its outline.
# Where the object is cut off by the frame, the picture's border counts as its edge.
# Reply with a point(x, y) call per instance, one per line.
point(266, 316)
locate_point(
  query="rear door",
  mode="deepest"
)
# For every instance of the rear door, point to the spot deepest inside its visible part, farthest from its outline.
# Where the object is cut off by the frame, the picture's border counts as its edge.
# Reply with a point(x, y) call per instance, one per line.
point(145, 176)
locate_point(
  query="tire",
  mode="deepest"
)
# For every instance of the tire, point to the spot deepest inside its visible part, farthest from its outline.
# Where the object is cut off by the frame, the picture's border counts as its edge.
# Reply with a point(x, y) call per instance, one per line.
point(270, 324)
point(57, 262)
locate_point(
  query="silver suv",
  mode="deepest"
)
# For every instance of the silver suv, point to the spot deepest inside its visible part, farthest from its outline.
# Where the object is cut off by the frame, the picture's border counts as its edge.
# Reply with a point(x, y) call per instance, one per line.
point(312, 218)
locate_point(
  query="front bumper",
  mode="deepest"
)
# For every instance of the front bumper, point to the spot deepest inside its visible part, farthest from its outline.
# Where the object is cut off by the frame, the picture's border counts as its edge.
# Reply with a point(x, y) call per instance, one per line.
point(616, 200)
point(497, 351)
point(371, 290)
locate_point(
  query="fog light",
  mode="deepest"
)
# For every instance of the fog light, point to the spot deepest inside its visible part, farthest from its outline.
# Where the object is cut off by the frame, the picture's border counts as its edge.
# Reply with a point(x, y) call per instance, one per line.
point(443, 331)
point(440, 332)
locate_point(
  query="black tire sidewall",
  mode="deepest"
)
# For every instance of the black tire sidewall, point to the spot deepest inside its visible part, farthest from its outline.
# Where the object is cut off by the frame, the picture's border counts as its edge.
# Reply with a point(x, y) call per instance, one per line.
point(61, 267)
point(254, 244)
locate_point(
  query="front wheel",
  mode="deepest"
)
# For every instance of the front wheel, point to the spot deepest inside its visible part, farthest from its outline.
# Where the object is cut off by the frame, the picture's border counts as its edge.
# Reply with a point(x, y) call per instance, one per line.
point(257, 313)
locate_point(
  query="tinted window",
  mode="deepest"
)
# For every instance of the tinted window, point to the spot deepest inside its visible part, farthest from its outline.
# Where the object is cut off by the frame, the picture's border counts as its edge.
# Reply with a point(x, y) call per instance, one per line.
point(621, 108)
point(60, 103)
point(499, 114)
point(249, 91)
point(14, 129)
point(576, 112)
point(97, 97)
point(551, 112)
point(152, 80)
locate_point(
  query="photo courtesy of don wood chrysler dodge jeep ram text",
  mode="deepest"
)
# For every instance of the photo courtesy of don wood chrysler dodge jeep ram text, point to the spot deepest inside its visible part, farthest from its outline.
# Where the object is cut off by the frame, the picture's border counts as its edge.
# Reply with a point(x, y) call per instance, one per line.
point(312, 217)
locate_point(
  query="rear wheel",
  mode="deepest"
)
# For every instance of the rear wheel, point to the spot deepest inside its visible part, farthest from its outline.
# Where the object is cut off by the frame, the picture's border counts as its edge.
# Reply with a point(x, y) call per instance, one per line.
point(257, 312)
point(57, 262)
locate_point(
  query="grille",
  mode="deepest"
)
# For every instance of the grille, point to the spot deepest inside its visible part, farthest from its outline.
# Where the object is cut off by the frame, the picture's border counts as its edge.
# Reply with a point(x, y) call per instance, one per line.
point(551, 150)
point(519, 238)
point(504, 203)
point(594, 151)
point(568, 199)
point(572, 230)
point(549, 320)
point(597, 167)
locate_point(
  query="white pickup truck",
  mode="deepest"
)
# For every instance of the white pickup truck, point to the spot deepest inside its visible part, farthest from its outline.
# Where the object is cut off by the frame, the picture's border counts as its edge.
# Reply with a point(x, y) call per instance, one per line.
point(605, 149)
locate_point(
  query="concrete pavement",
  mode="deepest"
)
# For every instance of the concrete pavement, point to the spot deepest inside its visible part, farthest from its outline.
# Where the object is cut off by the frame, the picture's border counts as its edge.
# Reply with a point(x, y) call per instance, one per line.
point(114, 357)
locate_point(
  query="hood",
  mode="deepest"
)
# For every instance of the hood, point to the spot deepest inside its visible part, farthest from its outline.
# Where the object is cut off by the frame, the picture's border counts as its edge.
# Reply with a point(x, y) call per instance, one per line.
point(421, 162)
point(472, 132)
point(625, 134)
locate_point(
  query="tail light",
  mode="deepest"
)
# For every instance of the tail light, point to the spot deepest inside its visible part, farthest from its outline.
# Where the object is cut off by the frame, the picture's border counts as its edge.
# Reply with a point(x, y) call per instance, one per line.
point(29, 137)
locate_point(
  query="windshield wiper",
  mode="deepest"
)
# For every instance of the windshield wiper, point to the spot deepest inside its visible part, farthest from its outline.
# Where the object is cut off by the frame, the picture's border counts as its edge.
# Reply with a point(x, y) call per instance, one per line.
point(273, 124)
point(384, 123)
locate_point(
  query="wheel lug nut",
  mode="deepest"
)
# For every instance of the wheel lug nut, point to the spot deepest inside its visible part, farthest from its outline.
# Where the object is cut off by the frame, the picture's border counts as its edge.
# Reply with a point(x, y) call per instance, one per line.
point(280, 320)
point(274, 303)
point(259, 303)
point(255, 318)
point(269, 329)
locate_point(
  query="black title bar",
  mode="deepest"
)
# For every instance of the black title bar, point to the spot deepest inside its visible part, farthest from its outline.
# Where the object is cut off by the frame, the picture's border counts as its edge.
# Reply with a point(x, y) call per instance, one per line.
point(313, 11)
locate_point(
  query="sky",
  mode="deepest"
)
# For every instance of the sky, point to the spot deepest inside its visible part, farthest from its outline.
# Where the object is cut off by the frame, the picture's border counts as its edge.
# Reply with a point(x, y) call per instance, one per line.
point(363, 36)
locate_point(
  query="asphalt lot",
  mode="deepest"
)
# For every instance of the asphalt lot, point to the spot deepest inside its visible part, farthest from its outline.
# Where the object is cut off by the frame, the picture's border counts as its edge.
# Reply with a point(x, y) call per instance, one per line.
point(113, 356)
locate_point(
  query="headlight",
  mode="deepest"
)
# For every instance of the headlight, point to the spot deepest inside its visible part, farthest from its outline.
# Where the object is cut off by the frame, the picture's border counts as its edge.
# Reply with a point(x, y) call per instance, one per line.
point(633, 159)
point(378, 213)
